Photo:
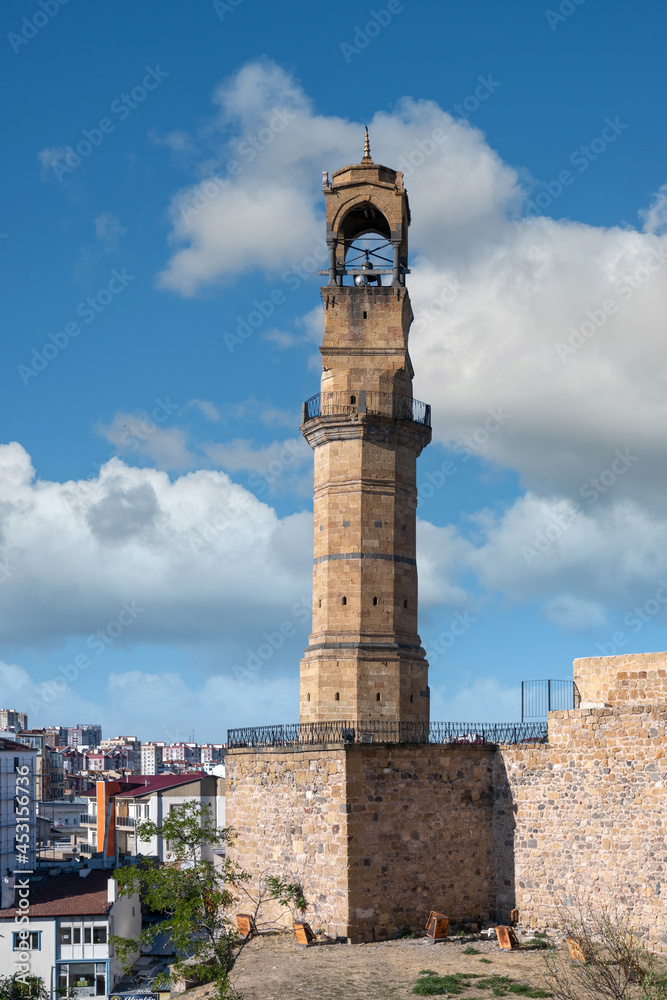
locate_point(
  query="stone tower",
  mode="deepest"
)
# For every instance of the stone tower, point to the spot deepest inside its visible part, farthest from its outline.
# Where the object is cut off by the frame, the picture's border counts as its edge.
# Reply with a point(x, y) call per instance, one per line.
point(364, 660)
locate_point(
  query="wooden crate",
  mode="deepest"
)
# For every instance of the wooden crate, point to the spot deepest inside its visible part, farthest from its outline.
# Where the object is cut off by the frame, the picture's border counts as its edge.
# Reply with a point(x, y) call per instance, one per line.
point(437, 925)
point(245, 924)
point(304, 933)
point(576, 951)
point(506, 938)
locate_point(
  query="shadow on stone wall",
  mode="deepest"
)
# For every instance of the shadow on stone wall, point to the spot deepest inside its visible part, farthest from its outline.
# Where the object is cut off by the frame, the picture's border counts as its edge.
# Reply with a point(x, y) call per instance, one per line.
point(504, 830)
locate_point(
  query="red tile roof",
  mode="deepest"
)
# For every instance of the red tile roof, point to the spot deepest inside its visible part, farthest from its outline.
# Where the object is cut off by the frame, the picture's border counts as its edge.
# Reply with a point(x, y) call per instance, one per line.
point(144, 784)
point(67, 895)
point(6, 744)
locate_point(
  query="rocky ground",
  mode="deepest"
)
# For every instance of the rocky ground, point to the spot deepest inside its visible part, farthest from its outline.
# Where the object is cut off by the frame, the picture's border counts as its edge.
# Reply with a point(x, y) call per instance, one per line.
point(273, 967)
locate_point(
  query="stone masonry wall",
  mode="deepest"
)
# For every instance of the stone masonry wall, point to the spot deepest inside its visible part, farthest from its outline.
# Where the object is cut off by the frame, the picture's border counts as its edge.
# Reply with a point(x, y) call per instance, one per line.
point(289, 811)
point(629, 679)
point(585, 818)
point(379, 834)
point(420, 835)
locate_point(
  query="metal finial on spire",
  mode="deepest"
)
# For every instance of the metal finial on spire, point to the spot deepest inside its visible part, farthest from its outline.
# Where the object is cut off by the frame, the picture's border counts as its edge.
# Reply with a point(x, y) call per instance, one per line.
point(367, 146)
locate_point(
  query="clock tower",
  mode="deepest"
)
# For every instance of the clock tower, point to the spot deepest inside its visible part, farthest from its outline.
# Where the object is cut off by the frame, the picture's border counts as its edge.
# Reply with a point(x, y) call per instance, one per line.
point(365, 661)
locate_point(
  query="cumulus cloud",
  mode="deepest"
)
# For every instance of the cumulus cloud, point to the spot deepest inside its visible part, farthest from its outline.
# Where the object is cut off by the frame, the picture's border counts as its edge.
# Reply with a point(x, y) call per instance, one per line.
point(179, 705)
point(137, 433)
point(203, 557)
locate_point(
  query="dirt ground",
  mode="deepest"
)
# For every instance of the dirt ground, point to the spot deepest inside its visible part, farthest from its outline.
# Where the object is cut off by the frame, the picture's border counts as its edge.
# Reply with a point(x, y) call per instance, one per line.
point(275, 968)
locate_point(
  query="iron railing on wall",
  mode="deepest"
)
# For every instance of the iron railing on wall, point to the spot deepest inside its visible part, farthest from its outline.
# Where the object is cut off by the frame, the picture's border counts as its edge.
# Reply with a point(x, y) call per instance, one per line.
point(318, 733)
point(538, 698)
point(328, 404)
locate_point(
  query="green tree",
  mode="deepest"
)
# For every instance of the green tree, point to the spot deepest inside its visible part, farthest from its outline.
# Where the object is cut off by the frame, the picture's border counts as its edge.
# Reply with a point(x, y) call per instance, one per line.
point(199, 898)
point(23, 988)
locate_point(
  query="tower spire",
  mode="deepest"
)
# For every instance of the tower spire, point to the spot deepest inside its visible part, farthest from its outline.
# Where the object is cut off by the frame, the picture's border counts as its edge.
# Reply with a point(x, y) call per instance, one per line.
point(367, 149)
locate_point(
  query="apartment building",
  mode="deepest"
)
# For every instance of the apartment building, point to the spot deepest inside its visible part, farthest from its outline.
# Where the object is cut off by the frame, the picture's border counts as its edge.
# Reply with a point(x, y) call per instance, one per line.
point(50, 771)
point(130, 749)
point(151, 758)
point(84, 735)
point(12, 721)
point(17, 810)
point(72, 917)
point(116, 807)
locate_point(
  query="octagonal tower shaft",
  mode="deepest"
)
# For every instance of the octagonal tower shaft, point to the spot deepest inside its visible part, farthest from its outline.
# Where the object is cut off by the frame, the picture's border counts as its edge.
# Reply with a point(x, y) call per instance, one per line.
point(364, 660)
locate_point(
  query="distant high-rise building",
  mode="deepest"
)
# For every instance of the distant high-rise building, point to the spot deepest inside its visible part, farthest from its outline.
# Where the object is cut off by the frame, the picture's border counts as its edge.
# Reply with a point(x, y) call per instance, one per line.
point(151, 758)
point(84, 734)
point(129, 747)
point(12, 721)
point(59, 734)
point(50, 770)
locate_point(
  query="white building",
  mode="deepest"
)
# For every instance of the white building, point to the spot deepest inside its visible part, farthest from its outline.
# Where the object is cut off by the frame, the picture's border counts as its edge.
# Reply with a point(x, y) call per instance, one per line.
point(70, 920)
point(153, 797)
point(17, 810)
point(151, 758)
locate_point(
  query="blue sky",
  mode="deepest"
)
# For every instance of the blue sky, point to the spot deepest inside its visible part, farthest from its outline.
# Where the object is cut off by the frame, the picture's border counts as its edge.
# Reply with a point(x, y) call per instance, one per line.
point(154, 485)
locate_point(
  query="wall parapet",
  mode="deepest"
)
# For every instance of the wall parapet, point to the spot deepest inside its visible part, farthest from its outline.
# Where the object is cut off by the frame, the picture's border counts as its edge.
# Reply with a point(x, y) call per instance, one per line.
point(627, 679)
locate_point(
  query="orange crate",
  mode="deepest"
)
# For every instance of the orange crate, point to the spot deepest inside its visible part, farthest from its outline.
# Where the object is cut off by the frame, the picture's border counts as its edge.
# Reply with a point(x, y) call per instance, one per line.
point(437, 925)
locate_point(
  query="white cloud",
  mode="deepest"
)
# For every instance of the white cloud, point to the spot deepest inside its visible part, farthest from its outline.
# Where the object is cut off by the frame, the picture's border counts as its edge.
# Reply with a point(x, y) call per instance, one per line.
point(574, 614)
point(178, 705)
point(108, 228)
point(202, 556)
point(284, 465)
point(485, 700)
point(138, 434)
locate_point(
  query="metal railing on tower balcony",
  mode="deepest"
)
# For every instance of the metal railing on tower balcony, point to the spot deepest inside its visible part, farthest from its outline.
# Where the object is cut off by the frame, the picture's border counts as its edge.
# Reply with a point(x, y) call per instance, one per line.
point(318, 733)
point(325, 404)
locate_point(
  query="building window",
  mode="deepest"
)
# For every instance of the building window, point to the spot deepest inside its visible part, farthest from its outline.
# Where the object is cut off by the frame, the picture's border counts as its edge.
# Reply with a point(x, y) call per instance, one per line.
point(87, 935)
point(27, 940)
point(76, 935)
point(377, 696)
point(353, 399)
point(99, 935)
point(64, 935)
point(365, 315)
point(405, 604)
point(337, 698)
point(375, 600)
point(319, 603)
point(344, 600)
point(86, 979)
point(412, 698)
